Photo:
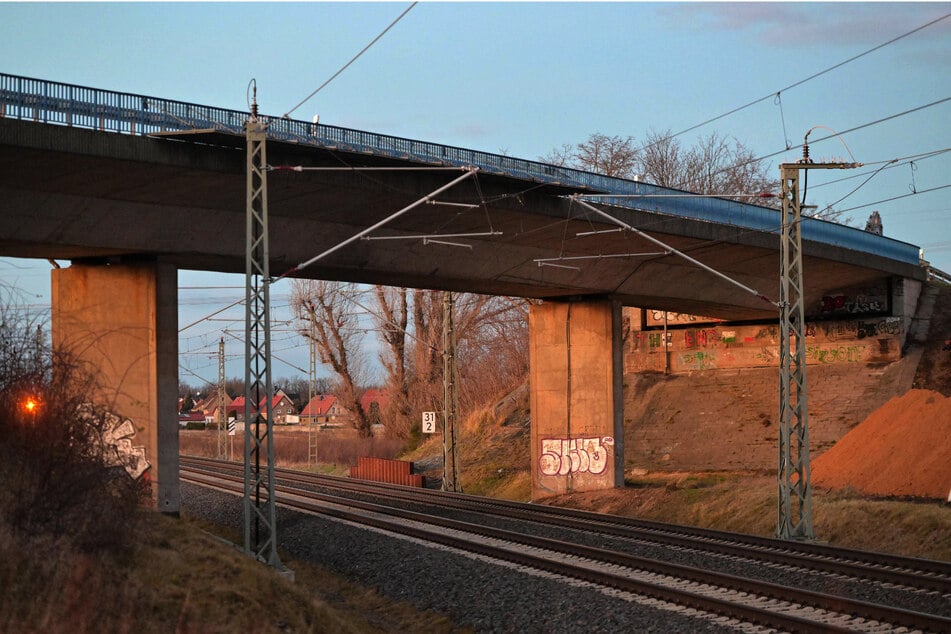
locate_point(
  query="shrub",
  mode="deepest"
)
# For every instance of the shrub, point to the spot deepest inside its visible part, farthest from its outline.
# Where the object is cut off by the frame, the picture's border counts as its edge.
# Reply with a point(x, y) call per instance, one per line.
point(60, 477)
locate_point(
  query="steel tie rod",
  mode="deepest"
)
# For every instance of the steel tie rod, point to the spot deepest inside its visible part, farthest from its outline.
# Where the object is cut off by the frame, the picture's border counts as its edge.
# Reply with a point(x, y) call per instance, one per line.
point(577, 198)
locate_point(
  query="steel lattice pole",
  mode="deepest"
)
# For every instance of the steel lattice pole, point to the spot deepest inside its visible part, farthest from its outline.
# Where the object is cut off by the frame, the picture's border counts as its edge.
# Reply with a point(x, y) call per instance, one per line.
point(222, 415)
point(260, 526)
point(795, 489)
point(450, 396)
point(311, 393)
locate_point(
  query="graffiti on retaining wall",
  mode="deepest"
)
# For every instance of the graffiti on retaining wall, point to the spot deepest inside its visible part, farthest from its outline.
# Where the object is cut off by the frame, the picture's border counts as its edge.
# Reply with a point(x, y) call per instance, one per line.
point(834, 330)
point(703, 338)
point(866, 301)
point(836, 354)
point(561, 456)
point(700, 360)
point(656, 339)
point(890, 326)
point(656, 318)
point(689, 349)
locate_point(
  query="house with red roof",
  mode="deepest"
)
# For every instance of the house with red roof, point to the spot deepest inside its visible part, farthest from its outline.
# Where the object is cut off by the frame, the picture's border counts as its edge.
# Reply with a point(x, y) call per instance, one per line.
point(374, 402)
point(209, 406)
point(326, 409)
point(235, 409)
point(282, 408)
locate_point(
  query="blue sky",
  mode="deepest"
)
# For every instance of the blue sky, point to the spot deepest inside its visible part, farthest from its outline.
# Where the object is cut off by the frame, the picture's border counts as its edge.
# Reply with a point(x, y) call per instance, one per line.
point(524, 78)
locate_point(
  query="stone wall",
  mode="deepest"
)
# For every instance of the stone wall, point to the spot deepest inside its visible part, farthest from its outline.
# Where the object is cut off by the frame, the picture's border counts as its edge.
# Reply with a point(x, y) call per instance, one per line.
point(865, 325)
point(702, 346)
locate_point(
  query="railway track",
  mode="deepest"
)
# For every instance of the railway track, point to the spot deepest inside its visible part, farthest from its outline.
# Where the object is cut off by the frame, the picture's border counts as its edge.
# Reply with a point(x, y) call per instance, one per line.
point(600, 550)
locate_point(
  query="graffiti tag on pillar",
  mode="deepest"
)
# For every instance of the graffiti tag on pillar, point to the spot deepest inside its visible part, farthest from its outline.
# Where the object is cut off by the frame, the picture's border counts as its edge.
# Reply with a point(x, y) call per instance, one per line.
point(117, 448)
point(561, 456)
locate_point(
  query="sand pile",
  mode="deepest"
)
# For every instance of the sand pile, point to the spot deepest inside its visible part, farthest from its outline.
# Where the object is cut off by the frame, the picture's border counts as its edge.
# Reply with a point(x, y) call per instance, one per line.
point(902, 449)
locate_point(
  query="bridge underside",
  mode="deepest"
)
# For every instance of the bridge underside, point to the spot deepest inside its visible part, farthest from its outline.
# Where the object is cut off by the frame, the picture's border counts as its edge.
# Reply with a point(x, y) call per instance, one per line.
point(79, 194)
point(161, 204)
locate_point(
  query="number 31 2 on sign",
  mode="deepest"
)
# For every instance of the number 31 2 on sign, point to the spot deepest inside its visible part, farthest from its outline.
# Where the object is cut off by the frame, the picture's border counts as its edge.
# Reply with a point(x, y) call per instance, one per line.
point(429, 422)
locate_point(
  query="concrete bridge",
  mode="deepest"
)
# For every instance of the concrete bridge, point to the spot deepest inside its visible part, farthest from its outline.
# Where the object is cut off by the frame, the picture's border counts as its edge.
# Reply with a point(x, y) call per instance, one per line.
point(131, 188)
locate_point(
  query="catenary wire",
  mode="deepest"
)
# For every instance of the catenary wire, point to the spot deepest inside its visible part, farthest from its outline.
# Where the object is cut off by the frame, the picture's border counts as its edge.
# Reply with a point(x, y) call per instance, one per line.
point(776, 94)
point(352, 60)
point(886, 200)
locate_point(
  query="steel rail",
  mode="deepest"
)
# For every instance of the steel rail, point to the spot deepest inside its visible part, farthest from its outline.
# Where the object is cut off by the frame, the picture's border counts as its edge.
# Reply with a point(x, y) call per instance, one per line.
point(878, 567)
point(808, 600)
point(692, 600)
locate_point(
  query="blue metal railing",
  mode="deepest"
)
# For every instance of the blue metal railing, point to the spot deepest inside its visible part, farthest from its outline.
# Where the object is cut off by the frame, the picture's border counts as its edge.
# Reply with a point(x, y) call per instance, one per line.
point(66, 104)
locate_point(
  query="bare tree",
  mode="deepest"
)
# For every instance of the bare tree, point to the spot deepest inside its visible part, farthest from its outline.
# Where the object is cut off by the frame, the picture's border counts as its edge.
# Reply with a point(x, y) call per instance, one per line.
point(660, 160)
point(491, 348)
point(426, 353)
point(331, 318)
point(392, 318)
point(609, 155)
point(561, 156)
point(715, 165)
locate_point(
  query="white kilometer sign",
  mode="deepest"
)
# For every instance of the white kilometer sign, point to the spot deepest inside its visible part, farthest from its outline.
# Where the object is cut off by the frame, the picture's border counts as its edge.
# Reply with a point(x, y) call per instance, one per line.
point(429, 422)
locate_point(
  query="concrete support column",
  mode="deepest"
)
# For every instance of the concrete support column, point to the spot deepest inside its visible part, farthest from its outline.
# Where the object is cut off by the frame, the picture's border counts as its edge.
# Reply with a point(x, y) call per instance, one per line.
point(122, 320)
point(576, 375)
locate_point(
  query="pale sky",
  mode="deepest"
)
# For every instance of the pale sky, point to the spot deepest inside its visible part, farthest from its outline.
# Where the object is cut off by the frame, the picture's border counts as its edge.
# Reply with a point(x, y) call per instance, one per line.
point(524, 78)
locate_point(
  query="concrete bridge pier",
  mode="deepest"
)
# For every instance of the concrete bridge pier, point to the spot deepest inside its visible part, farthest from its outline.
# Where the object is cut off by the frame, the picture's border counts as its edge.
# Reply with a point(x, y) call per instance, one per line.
point(122, 320)
point(577, 427)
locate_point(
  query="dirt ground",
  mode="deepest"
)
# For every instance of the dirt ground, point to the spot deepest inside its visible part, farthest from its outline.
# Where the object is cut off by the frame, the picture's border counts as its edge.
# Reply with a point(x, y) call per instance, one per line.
point(901, 450)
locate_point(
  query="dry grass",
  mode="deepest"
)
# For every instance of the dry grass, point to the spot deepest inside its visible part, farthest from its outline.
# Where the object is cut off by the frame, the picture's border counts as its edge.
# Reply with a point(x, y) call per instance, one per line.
point(337, 449)
point(746, 503)
point(180, 579)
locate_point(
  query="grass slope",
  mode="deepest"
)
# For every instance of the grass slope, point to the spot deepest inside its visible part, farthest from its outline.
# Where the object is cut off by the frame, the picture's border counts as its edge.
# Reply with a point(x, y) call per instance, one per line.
point(179, 578)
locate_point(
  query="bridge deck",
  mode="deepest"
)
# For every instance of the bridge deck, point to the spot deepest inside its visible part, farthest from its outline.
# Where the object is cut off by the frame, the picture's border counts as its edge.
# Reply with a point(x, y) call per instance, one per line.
point(140, 187)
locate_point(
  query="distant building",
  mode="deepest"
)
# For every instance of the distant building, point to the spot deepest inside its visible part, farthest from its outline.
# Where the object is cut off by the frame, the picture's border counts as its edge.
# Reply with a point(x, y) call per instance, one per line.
point(374, 402)
point(190, 417)
point(209, 406)
point(325, 408)
point(874, 224)
point(282, 408)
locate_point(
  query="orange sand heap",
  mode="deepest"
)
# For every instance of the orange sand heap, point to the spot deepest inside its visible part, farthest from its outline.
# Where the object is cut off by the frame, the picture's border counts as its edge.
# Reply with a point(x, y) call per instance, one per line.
point(902, 449)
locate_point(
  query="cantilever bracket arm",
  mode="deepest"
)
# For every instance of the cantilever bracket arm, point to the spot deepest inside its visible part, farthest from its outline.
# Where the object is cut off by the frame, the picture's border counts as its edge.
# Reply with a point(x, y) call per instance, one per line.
point(577, 198)
point(469, 172)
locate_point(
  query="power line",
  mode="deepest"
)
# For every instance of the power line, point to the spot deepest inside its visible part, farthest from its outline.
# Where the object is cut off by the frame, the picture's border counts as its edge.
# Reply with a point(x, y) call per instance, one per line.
point(864, 125)
point(352, 60)
point(889, 164)
point(796, 84)
point(886, 200)
point(830, 136)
